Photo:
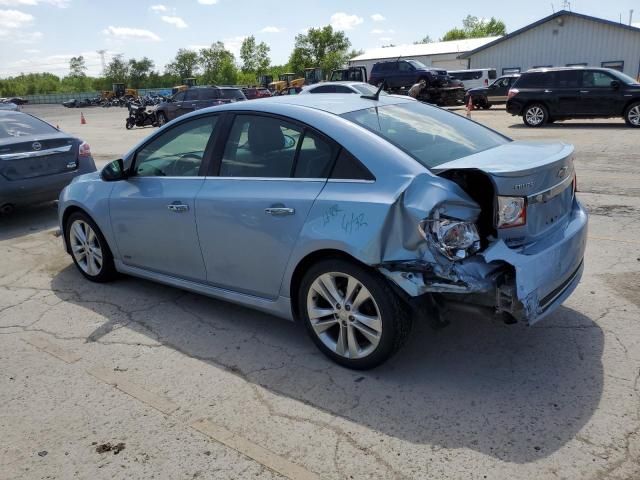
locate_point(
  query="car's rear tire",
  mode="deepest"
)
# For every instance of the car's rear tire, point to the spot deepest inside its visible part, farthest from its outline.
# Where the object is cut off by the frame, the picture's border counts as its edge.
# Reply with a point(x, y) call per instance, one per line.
point(632, 115)
point(535, 115)
point(162, 119)
point(89, 249)
point(352, 314)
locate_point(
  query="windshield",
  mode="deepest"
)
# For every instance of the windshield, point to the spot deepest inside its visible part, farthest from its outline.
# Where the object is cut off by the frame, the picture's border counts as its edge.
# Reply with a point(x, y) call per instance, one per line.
point(624, 77)
point(21, 125)
point(430, 135)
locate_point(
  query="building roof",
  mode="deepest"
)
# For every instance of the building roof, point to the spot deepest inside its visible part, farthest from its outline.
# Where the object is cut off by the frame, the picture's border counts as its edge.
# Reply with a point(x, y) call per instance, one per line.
point(559, 13)
point(424, 49)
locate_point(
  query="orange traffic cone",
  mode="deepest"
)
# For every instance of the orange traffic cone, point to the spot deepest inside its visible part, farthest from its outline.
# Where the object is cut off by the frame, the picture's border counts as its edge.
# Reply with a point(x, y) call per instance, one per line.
point(82, 120)
point(469, 107)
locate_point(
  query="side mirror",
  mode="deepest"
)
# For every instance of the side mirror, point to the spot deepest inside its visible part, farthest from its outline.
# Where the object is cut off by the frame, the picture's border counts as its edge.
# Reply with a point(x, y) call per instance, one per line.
point(114, 171)
point(615, 84)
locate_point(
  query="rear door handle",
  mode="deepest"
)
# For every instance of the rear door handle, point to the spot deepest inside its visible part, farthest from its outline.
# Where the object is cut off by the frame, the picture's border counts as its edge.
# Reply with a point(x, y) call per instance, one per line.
point(178, 207)
point(279, 211)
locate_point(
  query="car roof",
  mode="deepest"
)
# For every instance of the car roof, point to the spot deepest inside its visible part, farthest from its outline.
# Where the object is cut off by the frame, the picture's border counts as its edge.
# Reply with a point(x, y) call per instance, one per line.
point(341, 82)
point(563, 69)
point(336, 103)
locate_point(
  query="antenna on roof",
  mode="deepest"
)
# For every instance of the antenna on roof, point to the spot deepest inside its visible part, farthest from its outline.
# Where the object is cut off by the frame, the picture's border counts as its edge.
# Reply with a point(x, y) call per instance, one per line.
point(375, 96)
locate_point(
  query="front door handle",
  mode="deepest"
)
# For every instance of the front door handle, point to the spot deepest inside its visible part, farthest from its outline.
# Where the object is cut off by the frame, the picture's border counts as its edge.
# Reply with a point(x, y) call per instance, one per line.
point(178, 207)
point(279, 211)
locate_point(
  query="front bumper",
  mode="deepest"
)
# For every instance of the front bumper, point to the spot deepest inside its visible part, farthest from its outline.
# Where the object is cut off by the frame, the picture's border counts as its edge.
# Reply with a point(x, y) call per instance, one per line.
point(527, 283)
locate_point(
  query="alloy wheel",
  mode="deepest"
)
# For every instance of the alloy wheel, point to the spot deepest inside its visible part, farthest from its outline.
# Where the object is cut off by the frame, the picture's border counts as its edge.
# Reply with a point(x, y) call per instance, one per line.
point(634, 115)
point(344, 315)
point(534, 115)
point(86, 248)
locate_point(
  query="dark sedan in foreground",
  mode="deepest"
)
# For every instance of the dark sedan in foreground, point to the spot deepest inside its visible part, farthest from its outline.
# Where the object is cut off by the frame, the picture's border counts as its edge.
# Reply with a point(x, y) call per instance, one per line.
point(37, 160)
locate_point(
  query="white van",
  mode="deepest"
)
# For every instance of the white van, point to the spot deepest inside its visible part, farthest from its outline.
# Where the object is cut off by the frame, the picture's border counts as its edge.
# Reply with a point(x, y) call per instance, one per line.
point(478, 77)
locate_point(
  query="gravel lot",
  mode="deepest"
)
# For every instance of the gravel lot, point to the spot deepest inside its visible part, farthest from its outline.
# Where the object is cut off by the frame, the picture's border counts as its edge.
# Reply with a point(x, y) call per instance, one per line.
point(196, 388)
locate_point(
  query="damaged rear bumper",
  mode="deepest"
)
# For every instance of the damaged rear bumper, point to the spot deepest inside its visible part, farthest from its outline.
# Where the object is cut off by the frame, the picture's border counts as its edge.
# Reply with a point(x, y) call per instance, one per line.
point(527, 283)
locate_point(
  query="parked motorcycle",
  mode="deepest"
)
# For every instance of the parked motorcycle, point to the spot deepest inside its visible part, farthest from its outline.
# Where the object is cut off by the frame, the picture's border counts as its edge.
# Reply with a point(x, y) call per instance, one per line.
point(140, 117)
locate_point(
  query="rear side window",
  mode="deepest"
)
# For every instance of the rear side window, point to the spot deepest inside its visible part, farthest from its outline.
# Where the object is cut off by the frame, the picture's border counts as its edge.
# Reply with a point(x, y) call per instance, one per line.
point(315, 157)
point(348, 167)
point(209, 94)
point(21, 124)
point(260, 147)
point(568, 78)
point(536, 80)
point(324, 89)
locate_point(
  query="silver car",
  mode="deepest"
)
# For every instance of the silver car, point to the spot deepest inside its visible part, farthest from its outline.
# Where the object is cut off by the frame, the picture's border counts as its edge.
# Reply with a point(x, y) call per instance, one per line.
point(354, 215)
point(37, 160)
point(359, 88)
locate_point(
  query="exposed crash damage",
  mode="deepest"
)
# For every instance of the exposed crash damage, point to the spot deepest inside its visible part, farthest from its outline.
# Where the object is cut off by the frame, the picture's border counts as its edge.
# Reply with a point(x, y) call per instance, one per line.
point(471, 248)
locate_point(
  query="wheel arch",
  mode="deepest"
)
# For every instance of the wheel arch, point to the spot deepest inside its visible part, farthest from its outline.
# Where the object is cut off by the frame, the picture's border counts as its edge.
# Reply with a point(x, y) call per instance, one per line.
point(303, 266)
point(628, 104)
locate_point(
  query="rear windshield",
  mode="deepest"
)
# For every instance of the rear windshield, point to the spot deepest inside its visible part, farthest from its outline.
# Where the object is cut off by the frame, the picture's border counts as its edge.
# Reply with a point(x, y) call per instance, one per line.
point(430, 135)
point(231, 93)
point(21, 124)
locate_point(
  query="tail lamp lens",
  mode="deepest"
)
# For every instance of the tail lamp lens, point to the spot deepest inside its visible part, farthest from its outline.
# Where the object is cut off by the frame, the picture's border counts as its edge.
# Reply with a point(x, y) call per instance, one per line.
point(512, 93)
point(512, 212)
point(84, 150)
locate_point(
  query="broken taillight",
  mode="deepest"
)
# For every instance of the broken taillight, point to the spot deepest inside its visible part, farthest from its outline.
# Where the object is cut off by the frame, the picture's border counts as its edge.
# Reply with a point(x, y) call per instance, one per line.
point(84, 150)
point(512, 212)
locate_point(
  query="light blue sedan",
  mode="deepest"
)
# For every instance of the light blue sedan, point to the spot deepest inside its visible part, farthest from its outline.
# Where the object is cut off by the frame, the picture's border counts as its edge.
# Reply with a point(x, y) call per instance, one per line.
point(353, 214)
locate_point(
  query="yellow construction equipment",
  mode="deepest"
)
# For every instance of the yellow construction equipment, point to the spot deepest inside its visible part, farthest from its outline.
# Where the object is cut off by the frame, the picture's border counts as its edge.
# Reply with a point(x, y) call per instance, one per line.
point(286, 80)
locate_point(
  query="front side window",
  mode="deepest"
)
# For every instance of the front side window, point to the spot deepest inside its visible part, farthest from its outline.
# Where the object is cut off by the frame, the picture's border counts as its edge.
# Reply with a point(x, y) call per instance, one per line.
point(232, 94)
point(192, 94)
point(430, 135)
point(405, 67)
point(179, 97)
point(568, 78)
point(260, 147)
point(596, 79)
point(177, 152)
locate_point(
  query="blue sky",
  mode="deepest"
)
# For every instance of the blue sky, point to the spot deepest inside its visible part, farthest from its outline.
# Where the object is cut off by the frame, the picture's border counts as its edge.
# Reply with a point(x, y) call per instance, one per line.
point(41, 35)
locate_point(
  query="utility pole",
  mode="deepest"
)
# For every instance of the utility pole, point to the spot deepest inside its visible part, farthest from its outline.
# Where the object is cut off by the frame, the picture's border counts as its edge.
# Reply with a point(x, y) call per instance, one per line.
point(104, 65)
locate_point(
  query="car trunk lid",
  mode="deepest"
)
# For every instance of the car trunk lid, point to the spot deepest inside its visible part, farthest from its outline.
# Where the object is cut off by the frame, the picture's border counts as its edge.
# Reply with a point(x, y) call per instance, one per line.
point(37, 155)
point(543, 173)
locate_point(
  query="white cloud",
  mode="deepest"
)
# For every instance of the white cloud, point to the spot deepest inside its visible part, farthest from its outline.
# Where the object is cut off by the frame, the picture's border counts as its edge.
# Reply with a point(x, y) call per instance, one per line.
point(376, 17)
point(233, 44)
point(177, 21)
point(344, 21)
point(14, 19)
point(31, 3)
point(126, 33)
point(377, 31)
point(208, 2)
point(271, 29)
point(32, 50)
point(386, 39)
point(158, 8)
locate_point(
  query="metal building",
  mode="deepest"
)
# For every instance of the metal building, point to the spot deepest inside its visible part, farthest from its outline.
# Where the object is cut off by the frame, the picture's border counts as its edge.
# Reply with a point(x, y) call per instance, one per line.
point(442, 55)
point(562, 39)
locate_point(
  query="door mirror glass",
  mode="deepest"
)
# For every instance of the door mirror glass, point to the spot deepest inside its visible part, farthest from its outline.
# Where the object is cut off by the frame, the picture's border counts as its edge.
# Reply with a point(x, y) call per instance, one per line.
point(114, 171)
point(615, 84)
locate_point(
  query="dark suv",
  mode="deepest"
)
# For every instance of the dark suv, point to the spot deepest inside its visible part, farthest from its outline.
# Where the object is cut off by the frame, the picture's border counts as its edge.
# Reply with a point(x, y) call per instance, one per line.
point(543, 95)
point(405, 73)
point(196, 98)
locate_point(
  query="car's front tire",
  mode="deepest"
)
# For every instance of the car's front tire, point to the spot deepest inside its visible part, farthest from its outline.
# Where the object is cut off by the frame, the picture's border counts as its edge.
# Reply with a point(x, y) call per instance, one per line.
point(535, 115)
point(632, 115)
point(89, 249)
point(162, 119)
point(352, 314)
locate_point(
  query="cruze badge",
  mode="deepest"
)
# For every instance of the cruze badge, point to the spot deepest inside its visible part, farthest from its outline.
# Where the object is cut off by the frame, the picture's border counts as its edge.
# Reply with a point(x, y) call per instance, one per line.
point(562, 171)
point(522, 186)
point(36, 146)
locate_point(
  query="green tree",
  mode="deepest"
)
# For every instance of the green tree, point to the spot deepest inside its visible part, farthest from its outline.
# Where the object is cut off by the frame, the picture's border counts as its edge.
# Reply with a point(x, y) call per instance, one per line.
point(117, 71)
point(139, 71)
point(218, 64)
point(77, 67)
point(254, 56)
point(474, 27)
point(320, 47)
point(426, 39)
point(185, 64)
